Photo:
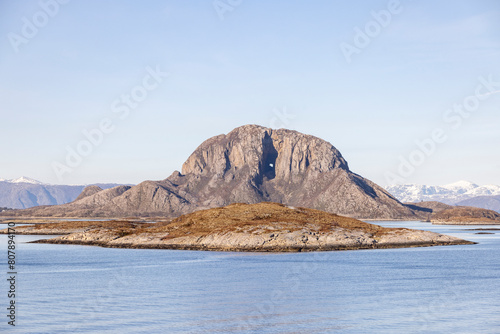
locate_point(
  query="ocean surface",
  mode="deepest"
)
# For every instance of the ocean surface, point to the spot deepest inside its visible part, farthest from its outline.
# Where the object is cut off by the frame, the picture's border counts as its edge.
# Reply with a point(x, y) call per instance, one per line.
point(85, 289)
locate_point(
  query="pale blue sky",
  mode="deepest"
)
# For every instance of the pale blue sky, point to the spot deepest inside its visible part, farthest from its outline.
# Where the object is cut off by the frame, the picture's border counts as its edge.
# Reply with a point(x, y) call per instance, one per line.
point(261, 57)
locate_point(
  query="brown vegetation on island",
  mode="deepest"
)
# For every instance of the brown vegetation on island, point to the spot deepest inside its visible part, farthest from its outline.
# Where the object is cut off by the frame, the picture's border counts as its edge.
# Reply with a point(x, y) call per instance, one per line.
point(264, 226)
point(261, 218)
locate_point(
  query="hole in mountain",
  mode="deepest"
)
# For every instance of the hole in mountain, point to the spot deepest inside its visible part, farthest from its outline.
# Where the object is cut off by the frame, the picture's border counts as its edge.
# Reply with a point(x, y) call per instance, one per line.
point(269, 170)
point(269, 158)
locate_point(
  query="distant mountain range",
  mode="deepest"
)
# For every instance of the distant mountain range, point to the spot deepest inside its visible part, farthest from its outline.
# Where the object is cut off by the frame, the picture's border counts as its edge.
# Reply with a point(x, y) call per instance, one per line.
point(485, 202)
point(25, 193)
point(458, 193)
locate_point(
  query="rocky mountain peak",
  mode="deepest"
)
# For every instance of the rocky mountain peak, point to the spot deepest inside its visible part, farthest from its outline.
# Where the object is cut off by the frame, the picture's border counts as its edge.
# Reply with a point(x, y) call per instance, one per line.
point(262, 152)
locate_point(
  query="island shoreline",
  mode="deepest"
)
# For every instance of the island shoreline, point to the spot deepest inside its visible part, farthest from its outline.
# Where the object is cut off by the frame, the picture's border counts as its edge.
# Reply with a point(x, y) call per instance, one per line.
point(272, 249)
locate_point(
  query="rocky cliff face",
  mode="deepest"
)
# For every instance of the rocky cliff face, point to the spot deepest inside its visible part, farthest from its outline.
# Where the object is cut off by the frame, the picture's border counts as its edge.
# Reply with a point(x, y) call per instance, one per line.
point(250, 164)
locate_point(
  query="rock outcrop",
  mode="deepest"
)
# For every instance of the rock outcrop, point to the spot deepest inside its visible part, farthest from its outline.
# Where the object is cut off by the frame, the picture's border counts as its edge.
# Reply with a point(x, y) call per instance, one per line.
point(88, 191)
point(251, 164)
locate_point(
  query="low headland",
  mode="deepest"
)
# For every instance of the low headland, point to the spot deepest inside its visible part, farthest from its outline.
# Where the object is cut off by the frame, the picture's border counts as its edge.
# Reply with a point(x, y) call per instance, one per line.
point(443, 214)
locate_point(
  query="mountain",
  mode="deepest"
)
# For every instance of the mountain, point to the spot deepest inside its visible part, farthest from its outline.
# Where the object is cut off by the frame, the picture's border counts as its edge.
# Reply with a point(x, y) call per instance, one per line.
point(22, 179)
point(449, 194)
point(485, 202)
point(251, 164)
point(24, 193)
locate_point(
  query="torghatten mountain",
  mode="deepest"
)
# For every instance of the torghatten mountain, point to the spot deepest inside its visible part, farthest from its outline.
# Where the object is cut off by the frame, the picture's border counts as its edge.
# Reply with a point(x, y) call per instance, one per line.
point(251, 164)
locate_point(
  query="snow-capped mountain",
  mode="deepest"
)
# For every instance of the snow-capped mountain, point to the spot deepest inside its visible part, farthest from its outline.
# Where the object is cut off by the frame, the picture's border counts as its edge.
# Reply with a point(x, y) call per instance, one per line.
point(22, 179)
point(449, 193)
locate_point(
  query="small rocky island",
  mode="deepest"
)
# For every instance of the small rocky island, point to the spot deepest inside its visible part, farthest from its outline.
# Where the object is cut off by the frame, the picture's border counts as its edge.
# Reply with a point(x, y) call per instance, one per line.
point(443, 214)
point(262, 227)
point(466, 215)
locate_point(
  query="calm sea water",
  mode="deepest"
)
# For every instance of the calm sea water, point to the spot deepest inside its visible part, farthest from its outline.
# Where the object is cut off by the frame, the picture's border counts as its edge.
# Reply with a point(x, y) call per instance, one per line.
point(83, 289)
